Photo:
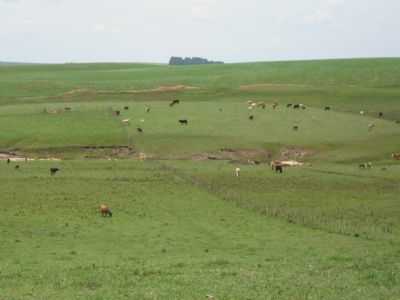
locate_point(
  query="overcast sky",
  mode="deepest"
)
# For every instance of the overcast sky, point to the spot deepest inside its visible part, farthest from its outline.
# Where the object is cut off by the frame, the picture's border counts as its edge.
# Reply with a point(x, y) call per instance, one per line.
point(229, 30)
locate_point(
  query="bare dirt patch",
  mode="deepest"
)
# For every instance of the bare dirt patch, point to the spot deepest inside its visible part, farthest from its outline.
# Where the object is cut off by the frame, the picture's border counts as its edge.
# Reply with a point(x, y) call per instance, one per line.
point(294, 153)
point(236, 155)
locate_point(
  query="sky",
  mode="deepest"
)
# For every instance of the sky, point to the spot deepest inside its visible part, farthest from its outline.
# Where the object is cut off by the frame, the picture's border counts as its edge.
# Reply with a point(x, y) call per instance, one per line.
point(57, 31)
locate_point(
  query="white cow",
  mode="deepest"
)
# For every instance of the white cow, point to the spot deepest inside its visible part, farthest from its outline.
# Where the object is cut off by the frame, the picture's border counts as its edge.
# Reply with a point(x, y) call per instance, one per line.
point(237, 172)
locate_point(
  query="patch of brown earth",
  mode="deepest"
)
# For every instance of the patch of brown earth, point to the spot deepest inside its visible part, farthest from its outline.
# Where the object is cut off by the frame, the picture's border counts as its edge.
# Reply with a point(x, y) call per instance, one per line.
point(294, 153)
point(236, 155)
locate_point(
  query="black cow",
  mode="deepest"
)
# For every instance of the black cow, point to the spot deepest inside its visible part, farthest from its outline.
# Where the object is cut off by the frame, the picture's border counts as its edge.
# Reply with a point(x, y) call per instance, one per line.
point(117, 112)
point(251, 117)
point(53, 171)
point(126, 107)
point(8, 161)
point(296, 106)
point(279, 169)
point(67, 108)
point(17, 167)
point(176, 101)
point(183, 122)
point(295, 128)
point(380, 114)
point(289, 105)
point(140, 130)
point(327, 108)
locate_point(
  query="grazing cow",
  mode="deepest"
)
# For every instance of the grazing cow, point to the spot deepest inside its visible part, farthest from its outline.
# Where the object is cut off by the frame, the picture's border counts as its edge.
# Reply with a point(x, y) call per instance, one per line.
point(295, 128)
point(8, 161)
point(126, 107)
point(289, 105)
point(277, 166)
point(53, 171)
point(105, 211)
point(251, 117)
point(296, 106)
point(67, 108)
point(125, 121)
point(302, 106)
point(176, 101)
point(262, 105)
point(380, 114)
point(237, 172)
point(117, 112)
point(17, 167)
point(362, 112)
point(327, 108)
point(367, 165)
point(371, 126)
point(396, 156)
point(147, 109)
point(275, 105)
point(183, 122)
point(140, 130)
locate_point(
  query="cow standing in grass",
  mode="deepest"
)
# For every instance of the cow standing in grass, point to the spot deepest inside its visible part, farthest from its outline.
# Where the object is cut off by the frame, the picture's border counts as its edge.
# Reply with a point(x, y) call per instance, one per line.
point(176, 101)
point(53, 171)
point(105, 211)
point(237, 172)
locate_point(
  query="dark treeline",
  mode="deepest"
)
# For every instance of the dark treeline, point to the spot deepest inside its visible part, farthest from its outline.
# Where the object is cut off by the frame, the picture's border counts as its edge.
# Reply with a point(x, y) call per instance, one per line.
point(192, 61)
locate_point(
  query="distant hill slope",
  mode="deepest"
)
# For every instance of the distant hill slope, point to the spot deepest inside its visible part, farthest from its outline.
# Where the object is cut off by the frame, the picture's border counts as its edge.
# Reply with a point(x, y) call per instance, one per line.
point(347, 84)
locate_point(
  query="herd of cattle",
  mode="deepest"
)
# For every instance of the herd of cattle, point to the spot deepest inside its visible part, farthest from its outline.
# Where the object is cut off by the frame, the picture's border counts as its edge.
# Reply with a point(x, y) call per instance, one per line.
point(276, 165)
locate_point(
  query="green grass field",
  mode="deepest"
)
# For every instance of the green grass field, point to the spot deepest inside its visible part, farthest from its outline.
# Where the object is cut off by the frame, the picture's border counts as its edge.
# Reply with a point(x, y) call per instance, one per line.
point(183, 226)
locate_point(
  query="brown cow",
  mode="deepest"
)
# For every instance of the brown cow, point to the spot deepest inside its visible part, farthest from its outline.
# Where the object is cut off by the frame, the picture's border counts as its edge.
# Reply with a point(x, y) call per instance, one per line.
point(105, 211)
point(396, 156)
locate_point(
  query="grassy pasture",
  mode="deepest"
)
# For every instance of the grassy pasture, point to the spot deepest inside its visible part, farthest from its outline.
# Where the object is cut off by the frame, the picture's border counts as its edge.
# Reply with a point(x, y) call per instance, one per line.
point(186, 228)
point(168, 239)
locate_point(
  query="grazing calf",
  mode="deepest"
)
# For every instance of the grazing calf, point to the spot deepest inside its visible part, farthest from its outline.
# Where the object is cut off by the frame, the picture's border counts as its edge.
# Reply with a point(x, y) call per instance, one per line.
point(53, 171)
point(237, 172)
point(251, 117)
point(380, 114)
point(362, 112)
point(275, 105)
point(126, 107)
point(105, 211)
point(8, 161)
point(140, 130)
point(295, 128)
point(125, 121)
point(67, 108)
point(327, 108)
point(296, 106)
point(183, 121)
point(17, 167)
point(396, 156)
point(147, 109)
point(176, 101)
point(117, 112)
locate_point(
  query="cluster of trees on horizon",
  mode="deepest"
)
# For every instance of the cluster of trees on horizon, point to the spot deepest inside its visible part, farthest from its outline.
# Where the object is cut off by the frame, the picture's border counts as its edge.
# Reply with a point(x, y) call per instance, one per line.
point(175, 60)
